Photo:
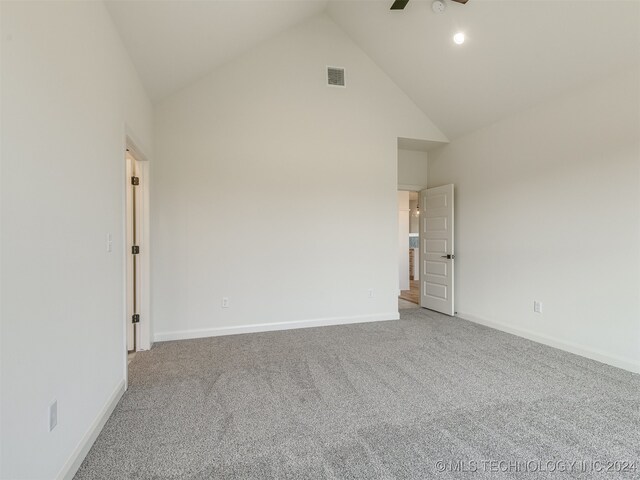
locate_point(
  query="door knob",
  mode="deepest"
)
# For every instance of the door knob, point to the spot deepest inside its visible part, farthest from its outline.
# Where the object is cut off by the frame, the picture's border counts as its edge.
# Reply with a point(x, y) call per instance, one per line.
point(448, 257)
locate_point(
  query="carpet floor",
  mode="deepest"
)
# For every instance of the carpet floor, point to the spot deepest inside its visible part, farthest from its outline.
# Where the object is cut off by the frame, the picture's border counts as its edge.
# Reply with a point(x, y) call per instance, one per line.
point(404, 304)
point(427, 396)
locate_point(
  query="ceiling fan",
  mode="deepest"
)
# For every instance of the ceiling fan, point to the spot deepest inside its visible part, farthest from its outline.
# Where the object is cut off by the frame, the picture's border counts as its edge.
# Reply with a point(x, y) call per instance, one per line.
point(400, 4)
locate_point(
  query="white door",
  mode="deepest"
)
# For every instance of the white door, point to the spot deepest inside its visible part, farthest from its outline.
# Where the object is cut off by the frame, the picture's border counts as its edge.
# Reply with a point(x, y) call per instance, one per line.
point(436, 249)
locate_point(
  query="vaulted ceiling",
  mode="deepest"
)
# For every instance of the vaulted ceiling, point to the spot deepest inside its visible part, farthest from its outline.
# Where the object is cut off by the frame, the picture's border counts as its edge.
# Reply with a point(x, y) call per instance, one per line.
point(174, 42)
point(517, 53)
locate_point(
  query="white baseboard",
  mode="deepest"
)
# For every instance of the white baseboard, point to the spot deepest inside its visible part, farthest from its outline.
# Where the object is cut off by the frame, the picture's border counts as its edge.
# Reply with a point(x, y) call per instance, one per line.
point(269, 327)
point(593, 354)
point(72, 465)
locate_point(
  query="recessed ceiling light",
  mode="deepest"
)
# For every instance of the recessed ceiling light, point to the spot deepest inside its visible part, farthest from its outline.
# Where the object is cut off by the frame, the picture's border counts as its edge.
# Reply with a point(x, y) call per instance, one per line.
point(459, 38)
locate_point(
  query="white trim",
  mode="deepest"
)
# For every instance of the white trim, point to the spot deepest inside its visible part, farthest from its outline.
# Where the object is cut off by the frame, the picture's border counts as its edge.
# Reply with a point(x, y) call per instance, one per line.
point(269, 327)
point(125, 277)
point(73, 463)
point(134, 145)
point(145, 260)
point(588, 352)
point(411, 188)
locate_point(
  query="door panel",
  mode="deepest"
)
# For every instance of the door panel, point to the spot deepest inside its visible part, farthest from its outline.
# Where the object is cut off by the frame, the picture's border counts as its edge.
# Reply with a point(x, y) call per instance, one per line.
point(436, 244)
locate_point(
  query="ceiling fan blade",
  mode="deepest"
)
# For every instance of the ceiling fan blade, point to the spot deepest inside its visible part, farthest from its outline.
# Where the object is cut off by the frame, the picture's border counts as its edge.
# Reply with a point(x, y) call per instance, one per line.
point(400, 4)
point(460, 1)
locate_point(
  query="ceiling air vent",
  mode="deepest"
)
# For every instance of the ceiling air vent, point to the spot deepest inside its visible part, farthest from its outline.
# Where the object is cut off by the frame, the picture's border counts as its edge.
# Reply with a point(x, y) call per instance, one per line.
point(335, 76)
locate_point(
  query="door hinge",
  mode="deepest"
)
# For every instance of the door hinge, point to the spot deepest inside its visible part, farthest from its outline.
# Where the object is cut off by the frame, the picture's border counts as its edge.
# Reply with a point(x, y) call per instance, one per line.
point(135, 318)
point(135, 250)
point(135, 180)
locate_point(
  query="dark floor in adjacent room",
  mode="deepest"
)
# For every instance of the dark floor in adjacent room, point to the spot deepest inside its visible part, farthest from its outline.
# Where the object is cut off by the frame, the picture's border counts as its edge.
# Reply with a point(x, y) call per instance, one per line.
point(367, 401)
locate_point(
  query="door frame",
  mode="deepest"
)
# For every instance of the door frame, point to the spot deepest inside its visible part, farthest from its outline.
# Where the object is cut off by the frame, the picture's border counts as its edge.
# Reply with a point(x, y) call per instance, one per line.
point(144, 271)
point(407, 216)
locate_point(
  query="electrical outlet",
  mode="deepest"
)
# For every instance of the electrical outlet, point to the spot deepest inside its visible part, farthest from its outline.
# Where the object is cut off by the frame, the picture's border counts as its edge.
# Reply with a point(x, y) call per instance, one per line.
point(53, 415)
point(225, 302)
point(370, 292)
point(109, 243)
point(537, 306)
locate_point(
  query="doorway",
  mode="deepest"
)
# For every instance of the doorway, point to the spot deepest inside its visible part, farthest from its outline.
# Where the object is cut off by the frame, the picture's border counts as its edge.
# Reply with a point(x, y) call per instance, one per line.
point(136, 250)
point(409, 251)
point(132, 251)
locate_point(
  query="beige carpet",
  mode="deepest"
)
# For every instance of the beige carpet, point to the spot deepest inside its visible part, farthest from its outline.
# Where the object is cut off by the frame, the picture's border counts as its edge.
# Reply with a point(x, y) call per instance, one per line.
point(411, 399)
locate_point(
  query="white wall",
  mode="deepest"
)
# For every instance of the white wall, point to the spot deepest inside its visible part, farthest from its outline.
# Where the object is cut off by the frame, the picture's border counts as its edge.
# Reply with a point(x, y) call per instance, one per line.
point(67, 90)
point(403, 241)
point(414, 220)
point(548, 209)
point(412, 169)
point(260, 170)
